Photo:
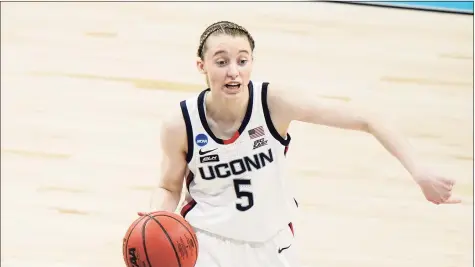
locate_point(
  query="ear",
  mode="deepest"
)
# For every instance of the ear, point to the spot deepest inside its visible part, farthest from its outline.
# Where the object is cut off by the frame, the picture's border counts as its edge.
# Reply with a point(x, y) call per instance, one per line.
point(200, 65)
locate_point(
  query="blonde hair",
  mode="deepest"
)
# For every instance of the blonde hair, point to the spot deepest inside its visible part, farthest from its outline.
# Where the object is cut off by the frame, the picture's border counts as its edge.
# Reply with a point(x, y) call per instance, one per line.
point(223, 27)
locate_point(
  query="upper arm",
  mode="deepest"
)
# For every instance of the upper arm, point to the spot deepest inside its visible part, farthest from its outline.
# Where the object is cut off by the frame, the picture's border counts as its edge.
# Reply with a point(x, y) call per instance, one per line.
point(173, 143)
point(286, 106)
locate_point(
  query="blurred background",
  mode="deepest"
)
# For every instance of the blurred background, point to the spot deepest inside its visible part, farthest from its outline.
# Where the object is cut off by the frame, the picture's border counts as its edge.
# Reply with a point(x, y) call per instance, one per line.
point(84, 87)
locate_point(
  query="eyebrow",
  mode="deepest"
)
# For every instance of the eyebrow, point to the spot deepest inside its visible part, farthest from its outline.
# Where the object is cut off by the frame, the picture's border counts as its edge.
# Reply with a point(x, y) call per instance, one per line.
point(222, 51)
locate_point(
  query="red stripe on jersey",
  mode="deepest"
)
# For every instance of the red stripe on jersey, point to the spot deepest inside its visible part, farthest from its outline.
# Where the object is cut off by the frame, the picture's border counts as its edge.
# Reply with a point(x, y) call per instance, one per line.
point(187, 208)
point(291, 228)
point(232, 140)
point(189, 179)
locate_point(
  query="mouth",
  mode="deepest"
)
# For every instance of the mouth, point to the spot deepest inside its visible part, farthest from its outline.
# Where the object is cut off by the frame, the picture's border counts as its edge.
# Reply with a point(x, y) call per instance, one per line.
point(233, 86)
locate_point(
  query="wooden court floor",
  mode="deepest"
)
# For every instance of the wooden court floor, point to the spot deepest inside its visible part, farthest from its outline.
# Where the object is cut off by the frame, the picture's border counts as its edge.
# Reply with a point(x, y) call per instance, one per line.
point(84, 87)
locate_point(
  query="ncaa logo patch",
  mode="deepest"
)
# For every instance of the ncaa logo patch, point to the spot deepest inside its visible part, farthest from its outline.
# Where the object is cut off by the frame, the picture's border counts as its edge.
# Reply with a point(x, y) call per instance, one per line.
point(201, 140)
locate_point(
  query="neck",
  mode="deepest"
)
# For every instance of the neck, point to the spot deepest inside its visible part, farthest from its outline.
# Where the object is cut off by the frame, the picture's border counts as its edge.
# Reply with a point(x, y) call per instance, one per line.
point(227, 109)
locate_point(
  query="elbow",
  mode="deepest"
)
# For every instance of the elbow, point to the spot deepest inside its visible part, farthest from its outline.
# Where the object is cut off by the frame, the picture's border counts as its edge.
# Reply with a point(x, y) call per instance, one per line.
point(372, 124)
point(171, 189)
point(368, 124)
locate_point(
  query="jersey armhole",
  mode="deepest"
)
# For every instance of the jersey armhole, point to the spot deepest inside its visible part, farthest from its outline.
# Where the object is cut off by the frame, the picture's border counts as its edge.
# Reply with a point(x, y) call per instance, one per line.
point(189, 130)
point(285, 142)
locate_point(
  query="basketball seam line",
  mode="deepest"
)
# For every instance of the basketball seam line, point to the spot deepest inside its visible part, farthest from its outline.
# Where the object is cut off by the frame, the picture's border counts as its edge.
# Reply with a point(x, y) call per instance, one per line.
point(169, 239)
point(144, 244)
point(128, 237)
point(192, 235)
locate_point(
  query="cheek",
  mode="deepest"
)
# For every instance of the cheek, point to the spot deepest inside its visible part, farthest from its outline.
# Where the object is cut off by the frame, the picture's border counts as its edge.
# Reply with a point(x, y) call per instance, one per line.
point(216, 74)
point(246, 71)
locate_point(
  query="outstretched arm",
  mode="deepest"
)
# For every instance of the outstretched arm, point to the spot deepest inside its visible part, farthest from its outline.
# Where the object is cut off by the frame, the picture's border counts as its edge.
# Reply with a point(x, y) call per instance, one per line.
point(287, 106)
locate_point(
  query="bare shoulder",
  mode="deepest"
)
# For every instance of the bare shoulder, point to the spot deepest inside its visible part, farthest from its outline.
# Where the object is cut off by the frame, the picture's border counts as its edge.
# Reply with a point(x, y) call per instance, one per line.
point(173, 131)
point(277, 99)
point(276, 95)
point(286, 99)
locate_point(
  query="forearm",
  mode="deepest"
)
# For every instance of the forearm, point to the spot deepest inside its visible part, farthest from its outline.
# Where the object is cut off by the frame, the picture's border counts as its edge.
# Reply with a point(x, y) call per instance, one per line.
point(165, 200)
point(395, 144)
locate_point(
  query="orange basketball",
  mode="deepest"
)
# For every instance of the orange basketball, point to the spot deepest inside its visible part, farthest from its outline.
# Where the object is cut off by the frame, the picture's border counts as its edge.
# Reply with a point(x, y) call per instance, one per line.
point(160, 239)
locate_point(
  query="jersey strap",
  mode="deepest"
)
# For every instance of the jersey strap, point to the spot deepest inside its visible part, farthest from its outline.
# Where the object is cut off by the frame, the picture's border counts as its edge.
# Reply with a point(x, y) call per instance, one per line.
point(189, 130)
point(270, 125)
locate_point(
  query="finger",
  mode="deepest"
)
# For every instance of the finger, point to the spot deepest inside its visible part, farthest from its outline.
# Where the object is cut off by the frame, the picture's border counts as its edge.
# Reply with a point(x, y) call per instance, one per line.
point(140, 213)
point(444, 198)
point(452, 201)
point(447, 181)
point(441, 194)
point(446, 186)
point(445, 194)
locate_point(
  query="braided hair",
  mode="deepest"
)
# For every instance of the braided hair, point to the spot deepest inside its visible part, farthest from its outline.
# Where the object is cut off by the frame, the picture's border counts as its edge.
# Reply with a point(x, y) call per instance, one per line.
point(223, 27)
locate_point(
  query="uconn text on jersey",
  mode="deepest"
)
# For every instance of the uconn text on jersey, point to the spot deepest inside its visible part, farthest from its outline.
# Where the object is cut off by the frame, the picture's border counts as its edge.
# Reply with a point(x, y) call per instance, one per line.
point(237, 166)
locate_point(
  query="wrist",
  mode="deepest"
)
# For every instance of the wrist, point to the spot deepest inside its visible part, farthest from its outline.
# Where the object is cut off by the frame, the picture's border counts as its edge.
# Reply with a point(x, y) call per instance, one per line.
point(415, 170)
point(418, 173)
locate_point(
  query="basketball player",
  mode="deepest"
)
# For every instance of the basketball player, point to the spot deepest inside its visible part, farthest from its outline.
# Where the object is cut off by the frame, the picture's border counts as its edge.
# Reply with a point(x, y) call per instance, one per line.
point(230, 143)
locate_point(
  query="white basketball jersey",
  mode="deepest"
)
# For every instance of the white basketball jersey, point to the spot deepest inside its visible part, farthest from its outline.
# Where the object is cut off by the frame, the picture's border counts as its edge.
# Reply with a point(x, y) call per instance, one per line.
point(236, 187)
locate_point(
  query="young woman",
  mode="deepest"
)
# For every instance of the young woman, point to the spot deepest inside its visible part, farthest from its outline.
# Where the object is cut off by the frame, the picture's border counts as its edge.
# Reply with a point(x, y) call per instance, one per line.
point(230, 143)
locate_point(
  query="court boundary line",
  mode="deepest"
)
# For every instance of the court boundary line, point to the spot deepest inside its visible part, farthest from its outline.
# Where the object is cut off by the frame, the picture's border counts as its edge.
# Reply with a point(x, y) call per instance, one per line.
point(407, 7)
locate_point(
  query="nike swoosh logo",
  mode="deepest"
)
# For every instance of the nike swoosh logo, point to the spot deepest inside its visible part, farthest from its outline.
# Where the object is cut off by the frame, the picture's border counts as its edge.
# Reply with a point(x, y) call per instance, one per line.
point(282, 249)
point(206, 152)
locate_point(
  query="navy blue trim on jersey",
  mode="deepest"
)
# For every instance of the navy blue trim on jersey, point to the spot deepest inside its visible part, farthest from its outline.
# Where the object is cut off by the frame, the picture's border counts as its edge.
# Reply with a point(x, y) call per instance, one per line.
point(192, 203)
point(189, 178)
point(270, 124)
point(188, 207)
point(245, 121)
point(286, 149)
point(189, 130)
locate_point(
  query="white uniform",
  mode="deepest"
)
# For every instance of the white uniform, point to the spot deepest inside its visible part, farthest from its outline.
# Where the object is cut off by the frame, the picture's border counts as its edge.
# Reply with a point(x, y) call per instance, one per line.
point(237, 199)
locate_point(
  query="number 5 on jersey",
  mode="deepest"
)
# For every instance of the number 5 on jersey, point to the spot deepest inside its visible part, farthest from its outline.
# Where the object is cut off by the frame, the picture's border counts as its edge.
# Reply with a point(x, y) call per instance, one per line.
point(240, 186)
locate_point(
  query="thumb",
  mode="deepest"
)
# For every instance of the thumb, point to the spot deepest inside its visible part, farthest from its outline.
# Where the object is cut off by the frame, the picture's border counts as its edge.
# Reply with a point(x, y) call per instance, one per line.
point(452, 201)
point(141, 213)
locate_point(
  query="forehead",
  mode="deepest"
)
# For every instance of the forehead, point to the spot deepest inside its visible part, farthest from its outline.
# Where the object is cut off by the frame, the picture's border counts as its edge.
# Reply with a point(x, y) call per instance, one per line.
point(227, 43)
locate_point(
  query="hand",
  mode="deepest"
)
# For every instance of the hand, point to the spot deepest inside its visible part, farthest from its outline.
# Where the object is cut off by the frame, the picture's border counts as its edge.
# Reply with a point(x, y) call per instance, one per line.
point(436, 189)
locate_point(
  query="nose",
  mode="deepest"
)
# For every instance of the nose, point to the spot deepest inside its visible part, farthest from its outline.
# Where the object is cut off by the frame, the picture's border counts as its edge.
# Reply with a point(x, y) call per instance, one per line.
point(233, 71)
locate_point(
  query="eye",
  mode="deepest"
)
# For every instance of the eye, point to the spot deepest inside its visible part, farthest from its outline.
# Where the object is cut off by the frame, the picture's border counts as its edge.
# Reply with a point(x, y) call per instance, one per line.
point(243, 61)
point(221, 62)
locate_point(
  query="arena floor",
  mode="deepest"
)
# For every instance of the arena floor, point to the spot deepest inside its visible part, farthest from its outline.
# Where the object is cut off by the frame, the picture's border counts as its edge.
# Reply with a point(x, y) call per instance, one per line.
point(84, 86)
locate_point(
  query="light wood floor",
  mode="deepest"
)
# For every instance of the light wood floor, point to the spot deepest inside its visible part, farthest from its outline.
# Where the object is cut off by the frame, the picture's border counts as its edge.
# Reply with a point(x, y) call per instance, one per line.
point(85, 85)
